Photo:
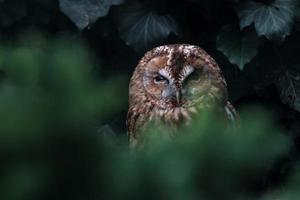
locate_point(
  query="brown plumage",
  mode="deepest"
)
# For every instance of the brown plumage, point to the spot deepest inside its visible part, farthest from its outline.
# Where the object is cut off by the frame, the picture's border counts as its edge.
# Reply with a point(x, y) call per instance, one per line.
point(171, 82)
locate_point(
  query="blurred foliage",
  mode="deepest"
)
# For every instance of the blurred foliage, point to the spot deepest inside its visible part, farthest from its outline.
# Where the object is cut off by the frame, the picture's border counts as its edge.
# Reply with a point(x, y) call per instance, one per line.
point(209, 159)
point(51, 107)
point(63, 100)
point(49, 84)
point(50, 149)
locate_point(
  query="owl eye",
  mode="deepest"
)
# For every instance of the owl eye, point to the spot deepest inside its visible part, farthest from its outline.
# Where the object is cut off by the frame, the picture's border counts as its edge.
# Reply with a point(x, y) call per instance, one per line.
point(160, 78)
point(193, 76)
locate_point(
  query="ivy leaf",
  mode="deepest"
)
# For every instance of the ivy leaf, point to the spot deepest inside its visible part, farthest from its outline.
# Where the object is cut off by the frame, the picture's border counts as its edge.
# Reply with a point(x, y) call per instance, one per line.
point(273, 20)
point(237, 46)
point(142, 29)
point(289, 88)
point(86, 12)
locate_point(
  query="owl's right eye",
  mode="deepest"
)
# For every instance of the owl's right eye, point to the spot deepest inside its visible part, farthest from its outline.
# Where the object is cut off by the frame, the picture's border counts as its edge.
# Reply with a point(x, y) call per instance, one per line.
point(160, 78)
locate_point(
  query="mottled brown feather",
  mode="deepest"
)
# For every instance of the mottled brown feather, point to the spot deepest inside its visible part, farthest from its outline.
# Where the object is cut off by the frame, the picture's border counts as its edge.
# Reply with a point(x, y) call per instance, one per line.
point(145, 98)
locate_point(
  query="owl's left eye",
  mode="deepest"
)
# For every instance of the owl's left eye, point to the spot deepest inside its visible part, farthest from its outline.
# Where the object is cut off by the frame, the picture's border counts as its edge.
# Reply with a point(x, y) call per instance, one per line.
point(160, 78)
point(193, 76)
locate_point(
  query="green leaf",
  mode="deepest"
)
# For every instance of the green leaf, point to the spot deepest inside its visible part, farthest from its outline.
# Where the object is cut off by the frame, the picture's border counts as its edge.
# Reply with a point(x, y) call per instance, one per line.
point(273, 20)
point(289, 88)
point(141, 28)
point(238, 47)
point(86, 12)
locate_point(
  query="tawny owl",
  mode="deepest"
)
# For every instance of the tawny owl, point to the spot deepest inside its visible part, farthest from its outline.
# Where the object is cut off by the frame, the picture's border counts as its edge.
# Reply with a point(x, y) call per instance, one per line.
point(170, 83)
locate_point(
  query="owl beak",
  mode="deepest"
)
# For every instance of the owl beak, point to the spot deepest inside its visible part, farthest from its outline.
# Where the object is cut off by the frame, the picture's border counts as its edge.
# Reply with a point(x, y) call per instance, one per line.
point(178, 96)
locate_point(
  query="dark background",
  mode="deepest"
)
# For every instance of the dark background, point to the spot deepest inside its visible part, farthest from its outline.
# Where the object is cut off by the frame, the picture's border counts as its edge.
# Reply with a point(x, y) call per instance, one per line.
point(260, 60)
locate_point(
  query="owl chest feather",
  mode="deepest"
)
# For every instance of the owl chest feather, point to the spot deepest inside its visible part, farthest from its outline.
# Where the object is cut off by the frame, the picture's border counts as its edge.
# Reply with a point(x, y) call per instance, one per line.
point(152, 111)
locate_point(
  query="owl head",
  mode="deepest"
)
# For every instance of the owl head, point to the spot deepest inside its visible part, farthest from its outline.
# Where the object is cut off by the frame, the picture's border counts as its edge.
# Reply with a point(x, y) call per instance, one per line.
point(179, 75)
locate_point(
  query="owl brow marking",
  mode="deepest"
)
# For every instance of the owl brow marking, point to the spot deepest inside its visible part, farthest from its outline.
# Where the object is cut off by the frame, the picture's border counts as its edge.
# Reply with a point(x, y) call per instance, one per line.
point(165, 73)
